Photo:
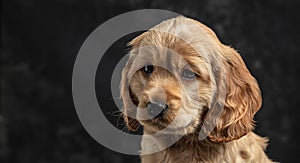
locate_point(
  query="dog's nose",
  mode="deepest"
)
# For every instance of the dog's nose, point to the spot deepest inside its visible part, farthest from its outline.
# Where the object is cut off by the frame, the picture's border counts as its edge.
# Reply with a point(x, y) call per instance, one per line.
point(157, 109)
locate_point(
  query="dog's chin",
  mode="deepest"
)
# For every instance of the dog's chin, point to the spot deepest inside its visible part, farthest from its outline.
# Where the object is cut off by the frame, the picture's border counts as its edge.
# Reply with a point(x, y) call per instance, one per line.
point(165, 127)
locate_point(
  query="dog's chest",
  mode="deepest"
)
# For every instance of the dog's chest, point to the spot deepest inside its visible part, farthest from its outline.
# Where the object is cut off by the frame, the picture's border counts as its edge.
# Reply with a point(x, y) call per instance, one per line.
point(179, 153)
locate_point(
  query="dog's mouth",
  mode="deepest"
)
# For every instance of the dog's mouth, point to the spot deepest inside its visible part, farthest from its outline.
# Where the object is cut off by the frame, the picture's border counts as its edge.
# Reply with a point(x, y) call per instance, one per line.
point(172, 125)
point(158, 122)
point(166, 123)
point(162, 125)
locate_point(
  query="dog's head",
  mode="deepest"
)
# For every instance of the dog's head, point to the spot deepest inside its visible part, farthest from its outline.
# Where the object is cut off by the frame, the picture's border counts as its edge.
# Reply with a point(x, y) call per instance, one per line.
point(177, 72)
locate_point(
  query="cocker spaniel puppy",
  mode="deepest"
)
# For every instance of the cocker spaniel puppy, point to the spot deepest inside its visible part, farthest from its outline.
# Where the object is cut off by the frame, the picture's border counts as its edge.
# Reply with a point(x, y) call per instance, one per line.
point(194, 97)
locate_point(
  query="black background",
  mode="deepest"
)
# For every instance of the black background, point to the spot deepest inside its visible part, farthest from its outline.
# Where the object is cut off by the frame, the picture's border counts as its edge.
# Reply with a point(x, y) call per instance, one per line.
point(40, 40)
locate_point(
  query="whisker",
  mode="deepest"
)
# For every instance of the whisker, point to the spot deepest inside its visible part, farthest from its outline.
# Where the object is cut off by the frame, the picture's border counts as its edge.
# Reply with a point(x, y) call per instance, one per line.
point(118, 120)
point(115, 113)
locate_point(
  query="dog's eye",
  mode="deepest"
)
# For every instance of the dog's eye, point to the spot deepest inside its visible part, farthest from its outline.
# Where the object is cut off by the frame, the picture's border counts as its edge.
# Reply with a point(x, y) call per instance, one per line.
point(148, 69)
point(188, 74)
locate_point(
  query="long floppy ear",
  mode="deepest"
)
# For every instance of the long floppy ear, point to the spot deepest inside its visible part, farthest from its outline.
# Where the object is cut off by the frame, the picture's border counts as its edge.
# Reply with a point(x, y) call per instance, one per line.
point(129, 100)
point(242, 101)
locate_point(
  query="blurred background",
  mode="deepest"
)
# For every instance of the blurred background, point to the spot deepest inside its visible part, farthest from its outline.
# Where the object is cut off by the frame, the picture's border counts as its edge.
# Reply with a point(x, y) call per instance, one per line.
point(41, 38)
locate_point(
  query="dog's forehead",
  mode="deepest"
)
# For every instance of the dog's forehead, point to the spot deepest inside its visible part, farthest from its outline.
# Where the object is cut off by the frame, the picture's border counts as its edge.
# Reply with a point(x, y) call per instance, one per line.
point(164, 48)
point(182, 35)
point(160, 56)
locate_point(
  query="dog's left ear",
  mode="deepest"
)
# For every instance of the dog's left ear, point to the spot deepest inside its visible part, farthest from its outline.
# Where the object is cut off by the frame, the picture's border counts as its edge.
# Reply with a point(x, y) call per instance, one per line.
point(242, 101)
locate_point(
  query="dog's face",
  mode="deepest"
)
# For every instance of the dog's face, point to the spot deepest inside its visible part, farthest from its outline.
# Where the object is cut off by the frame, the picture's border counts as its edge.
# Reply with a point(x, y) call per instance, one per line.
point(177, 72)
point(166, 85)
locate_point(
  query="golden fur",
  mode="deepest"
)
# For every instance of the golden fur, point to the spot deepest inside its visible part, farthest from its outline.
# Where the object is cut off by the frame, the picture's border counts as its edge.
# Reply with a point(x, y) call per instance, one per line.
point(182, 43)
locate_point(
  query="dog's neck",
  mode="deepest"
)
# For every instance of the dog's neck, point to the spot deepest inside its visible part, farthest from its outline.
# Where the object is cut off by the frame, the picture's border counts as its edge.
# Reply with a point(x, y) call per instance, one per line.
point(188, 146)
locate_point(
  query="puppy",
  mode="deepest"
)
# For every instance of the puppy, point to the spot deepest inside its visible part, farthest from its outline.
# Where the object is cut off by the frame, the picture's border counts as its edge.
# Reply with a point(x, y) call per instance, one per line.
point(194, 97)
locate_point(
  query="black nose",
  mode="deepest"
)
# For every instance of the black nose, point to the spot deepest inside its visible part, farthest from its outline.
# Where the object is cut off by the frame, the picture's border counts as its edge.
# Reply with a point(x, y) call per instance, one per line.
point(157, 109)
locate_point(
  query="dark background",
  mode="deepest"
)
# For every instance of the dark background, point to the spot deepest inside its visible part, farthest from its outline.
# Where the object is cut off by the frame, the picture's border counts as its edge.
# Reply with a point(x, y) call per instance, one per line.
point(40, 40)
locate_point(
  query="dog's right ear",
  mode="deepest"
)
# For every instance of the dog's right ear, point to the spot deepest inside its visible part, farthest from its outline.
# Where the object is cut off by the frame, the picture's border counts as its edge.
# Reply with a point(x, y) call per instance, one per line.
point(129, 101)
